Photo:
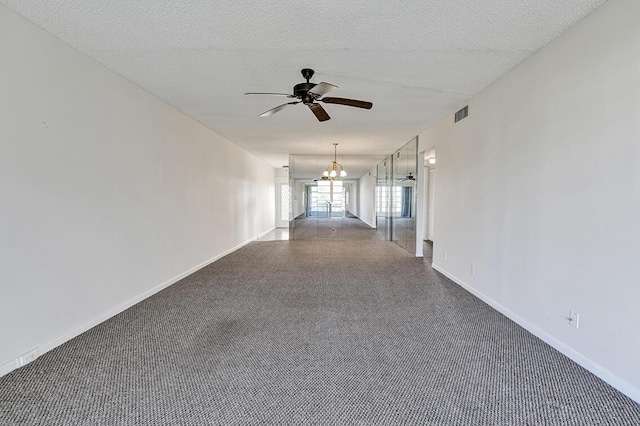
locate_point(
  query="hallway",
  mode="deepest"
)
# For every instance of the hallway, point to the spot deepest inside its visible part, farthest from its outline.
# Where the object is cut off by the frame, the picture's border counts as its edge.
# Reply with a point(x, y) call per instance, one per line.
point(310, 332)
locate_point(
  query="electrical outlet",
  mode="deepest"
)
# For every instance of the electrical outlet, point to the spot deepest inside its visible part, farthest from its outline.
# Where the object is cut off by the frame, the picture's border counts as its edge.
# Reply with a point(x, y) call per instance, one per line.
point(574, 319)
point(473, 269)
point(26, 358)
point(446, 256)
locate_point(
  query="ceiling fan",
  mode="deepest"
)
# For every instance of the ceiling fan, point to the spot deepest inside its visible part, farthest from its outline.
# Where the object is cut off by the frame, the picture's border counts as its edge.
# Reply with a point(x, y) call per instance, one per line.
point(407, 177)
point(310, 94)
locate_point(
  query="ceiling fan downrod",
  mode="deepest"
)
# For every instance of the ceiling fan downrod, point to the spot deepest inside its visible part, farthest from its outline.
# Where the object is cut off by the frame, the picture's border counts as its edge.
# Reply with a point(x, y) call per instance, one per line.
point(307, 73)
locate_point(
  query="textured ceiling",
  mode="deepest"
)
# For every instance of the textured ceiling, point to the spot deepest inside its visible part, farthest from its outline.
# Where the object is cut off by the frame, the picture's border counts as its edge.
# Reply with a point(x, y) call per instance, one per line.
point(414, 59)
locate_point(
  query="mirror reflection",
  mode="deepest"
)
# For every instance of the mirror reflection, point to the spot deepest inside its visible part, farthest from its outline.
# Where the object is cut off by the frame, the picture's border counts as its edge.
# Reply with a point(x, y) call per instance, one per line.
point(355, 197)
point(383, 198)
point(403, 196)
point(338, 206)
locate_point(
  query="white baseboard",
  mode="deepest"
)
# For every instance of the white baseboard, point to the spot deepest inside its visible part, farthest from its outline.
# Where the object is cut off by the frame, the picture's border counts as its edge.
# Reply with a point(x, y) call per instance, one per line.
point(262, 234)
point(372, 226)
point(601, 372)
point(8, 367)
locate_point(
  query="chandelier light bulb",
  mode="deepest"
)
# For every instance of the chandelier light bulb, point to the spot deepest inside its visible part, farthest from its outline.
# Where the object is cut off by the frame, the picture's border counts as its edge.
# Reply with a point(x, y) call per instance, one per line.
point(325, 173)
point(343, 173)
point(333, 173)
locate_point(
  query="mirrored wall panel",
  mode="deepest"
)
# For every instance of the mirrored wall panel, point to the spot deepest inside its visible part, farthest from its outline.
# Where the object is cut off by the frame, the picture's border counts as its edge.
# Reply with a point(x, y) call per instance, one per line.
point(383, 198)
point(356, 197)
point(403, 195)
point(326, 205)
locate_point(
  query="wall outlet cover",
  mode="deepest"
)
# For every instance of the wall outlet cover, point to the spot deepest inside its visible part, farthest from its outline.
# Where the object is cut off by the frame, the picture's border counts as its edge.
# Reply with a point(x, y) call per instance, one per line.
point(574, 319)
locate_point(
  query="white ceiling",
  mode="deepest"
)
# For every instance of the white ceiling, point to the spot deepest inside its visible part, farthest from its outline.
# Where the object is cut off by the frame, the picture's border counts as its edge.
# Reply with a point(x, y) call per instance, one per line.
point(414, 59)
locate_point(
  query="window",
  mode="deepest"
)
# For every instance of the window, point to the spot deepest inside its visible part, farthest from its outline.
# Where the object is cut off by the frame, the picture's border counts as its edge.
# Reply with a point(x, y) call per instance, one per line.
point(284, 202)
point(326, 199)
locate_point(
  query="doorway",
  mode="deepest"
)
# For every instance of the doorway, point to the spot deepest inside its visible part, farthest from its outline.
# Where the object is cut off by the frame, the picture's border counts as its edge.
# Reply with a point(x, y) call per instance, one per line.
point(283, 202)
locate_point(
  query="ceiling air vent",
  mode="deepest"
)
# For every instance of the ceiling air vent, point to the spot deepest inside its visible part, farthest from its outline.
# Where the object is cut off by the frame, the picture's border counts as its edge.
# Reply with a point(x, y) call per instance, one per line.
point(462, 114)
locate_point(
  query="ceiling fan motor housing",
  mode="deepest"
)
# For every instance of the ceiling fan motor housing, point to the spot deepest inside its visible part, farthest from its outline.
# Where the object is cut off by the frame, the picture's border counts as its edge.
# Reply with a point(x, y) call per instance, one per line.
point(301, 91)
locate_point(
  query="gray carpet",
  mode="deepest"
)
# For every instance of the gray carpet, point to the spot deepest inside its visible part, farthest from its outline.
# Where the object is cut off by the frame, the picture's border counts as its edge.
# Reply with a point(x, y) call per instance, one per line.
point(337, 228)
point(331, 332)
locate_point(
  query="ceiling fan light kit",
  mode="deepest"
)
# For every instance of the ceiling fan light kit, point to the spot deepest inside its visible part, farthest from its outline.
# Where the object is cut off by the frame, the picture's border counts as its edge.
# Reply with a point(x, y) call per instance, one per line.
point(310, 94)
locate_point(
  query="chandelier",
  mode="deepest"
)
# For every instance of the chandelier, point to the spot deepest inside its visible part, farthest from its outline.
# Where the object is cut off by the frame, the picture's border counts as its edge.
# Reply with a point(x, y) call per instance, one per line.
point(335, 169)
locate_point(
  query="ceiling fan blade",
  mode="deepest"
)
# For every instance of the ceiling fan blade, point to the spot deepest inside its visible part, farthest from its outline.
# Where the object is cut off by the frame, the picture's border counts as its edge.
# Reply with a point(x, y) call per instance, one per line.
point(270, 93)
point(276, 109)
point(321, 89)
point(319, 112)
point(348, 102)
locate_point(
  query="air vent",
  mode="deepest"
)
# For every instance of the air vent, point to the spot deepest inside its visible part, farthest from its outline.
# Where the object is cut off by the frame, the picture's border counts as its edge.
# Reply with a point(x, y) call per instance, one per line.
point(462, 113)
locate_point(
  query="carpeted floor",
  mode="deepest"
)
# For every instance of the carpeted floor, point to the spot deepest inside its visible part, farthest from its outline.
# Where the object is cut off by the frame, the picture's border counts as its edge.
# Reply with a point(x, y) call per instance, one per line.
point(332, 332)
point(336, 228)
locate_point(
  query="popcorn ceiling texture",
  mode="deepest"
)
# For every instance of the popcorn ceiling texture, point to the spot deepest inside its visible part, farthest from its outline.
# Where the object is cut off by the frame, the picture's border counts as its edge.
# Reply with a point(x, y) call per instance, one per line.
point(416, 60)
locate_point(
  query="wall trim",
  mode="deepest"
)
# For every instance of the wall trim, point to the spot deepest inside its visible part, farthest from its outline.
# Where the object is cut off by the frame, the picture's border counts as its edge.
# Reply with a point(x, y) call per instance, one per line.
point(601, 372)
point(9, 366)
point(370, 225)
point(262, 234)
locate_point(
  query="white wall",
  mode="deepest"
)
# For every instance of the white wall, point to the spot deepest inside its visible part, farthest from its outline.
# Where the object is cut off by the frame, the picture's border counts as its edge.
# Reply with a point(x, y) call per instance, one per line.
point(366, 192)
point(539, 188)
point(107, 193)
point(430, 181)
point(354, 197)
